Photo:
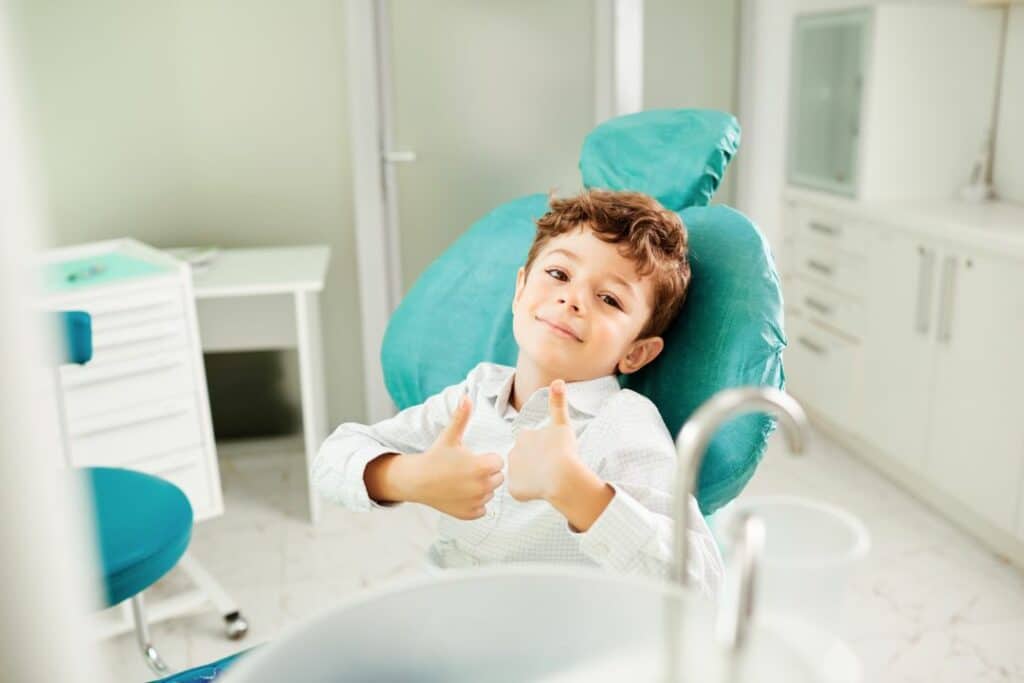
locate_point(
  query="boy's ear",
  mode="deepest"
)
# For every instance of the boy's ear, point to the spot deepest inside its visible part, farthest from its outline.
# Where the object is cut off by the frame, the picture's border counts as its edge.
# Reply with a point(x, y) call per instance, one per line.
point(520, 281)
point(640, 353)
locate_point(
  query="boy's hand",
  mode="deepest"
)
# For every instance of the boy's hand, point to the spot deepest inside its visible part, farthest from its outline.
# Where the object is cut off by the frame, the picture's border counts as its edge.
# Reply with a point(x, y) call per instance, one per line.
point(541, 459)
point(451, 478)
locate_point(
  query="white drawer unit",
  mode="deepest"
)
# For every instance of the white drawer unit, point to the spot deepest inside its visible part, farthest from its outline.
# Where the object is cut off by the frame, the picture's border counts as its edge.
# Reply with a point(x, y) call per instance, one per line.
point(905, 325)
point(141, 402)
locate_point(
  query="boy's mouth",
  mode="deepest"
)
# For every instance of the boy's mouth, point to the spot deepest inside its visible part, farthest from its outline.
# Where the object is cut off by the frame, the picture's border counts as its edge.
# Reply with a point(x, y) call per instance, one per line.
point(562, 330)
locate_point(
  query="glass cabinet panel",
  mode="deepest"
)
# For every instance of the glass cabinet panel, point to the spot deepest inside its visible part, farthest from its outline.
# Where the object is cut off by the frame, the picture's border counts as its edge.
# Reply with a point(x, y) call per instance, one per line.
point(827, 71)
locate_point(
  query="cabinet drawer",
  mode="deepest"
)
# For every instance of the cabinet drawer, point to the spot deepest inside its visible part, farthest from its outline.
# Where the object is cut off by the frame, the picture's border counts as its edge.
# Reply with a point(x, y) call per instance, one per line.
point(129, 435)
point(143, 340)
point(815, 302)
point(834, 269)
point(98, 388)
point(826, 229)
point(823, 369)
point(113, 312)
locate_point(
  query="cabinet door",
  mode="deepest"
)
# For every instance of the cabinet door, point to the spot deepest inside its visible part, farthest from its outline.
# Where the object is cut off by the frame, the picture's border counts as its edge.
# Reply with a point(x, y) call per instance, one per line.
point(977, 450)
point(828, 66)
point(899, 324)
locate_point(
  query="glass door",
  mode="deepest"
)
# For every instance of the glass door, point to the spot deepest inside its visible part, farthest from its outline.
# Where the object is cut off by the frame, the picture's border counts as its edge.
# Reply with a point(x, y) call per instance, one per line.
point(828, 57)
point(493, 100)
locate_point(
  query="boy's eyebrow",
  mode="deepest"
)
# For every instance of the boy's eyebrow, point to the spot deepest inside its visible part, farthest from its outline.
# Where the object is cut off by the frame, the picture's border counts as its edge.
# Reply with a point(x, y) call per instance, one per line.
point(612, 276)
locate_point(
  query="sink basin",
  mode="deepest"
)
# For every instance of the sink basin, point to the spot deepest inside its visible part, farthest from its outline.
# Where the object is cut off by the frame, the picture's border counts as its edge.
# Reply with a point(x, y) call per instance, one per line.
point(534, 623)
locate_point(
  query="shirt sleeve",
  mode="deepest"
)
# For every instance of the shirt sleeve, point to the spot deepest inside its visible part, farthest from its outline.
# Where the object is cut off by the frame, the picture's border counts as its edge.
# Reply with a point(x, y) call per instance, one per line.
point(635, 532)
point(340, 465)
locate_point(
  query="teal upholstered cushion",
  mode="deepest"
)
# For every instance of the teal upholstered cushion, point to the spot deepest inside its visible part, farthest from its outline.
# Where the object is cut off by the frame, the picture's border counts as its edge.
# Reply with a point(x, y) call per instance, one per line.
point(678, 156)
point(729, 333)
point(77, 329)
point(143, 524)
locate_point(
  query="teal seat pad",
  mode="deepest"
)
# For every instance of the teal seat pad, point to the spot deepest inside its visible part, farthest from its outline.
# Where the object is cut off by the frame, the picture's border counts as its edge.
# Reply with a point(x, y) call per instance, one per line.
point(144, 525)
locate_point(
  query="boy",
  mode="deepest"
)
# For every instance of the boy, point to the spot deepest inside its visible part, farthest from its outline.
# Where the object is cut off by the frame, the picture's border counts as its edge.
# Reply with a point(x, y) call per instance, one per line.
point(551, 460)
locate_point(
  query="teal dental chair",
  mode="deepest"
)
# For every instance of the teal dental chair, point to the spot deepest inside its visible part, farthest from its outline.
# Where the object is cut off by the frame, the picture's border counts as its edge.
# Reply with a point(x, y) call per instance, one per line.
point(728, 334)
point(143, 523)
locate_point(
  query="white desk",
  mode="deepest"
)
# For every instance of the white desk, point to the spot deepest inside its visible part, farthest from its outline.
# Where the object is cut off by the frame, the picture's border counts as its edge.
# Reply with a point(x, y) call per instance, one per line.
point(263, 299)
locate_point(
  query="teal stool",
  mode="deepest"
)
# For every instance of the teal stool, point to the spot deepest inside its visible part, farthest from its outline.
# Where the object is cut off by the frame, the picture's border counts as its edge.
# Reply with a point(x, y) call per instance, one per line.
point(143, 523)
point(143, 527)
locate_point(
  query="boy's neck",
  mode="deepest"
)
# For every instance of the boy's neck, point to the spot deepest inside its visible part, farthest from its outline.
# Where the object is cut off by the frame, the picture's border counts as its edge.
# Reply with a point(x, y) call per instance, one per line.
point(528, 378)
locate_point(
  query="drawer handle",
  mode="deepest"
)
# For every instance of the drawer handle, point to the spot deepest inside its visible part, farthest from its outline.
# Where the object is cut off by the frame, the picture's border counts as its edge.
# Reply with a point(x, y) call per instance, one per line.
point(132, 339)
point(823, 228)
point(925, 274)
point(818, 306)
point(110, 311)
point(812, 346)
point(131, 422)
point(119, 373)
point(822, 268)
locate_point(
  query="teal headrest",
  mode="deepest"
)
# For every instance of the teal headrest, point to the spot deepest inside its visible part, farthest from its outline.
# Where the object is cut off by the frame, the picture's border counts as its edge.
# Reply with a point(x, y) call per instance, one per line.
point(729, 333)
point(678, 156)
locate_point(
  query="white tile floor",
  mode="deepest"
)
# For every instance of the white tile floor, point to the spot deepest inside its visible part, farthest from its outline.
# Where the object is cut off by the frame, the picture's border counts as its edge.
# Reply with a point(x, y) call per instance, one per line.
point(930, 604)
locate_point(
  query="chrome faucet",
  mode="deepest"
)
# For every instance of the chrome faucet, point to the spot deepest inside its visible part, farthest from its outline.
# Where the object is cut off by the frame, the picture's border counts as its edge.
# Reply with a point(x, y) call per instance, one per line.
point(695, 436)
point(691, 446)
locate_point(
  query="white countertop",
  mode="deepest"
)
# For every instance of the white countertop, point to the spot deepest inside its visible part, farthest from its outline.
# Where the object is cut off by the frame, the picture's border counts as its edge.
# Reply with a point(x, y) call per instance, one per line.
point(274, 270)
point(994, 226)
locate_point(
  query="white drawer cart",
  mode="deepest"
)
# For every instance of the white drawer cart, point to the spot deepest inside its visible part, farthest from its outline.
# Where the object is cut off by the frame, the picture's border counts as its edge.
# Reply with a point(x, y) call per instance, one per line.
point(141, 402)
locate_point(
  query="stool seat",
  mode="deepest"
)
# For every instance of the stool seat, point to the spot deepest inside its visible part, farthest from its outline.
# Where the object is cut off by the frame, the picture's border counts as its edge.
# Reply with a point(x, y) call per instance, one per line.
point(144, 527)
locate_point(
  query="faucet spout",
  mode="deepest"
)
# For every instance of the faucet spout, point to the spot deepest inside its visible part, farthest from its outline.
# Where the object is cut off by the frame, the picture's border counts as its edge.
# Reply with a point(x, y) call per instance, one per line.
point(696, 434)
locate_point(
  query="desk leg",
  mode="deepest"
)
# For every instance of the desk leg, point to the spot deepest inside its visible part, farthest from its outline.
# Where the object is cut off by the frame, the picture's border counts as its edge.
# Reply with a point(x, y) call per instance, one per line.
point(312, 383)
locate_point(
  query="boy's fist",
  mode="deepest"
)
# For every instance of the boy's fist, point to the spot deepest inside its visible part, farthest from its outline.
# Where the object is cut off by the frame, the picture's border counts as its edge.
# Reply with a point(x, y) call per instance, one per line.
point(540, 458)
point(451, 478)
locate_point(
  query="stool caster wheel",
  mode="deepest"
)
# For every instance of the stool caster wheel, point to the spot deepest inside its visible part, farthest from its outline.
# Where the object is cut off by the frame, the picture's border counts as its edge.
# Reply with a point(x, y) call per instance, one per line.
point(235, 626)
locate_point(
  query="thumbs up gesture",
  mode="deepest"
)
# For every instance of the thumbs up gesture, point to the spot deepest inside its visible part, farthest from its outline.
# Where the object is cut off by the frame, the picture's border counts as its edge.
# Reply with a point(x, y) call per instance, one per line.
point(451, 478)
point(541, 459)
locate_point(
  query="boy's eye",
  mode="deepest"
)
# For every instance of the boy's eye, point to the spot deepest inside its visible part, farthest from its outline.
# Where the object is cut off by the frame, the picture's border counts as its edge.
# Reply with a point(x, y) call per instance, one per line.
point(610, 300)
point(557, 274)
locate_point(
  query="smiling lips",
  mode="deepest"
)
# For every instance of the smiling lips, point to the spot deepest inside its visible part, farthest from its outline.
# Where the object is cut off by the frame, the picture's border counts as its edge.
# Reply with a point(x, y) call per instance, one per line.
point(560, 329)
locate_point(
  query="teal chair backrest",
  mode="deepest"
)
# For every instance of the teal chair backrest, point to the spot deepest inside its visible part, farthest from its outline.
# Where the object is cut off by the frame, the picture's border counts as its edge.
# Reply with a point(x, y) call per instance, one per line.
point(729, 332)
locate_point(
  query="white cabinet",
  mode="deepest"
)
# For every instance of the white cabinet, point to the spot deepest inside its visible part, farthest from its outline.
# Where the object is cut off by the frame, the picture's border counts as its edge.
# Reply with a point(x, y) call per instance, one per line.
point(899, 328)
point(977, 436)
point(914, 345)
point(873, 112)
point(141, 402)
point(823, 288)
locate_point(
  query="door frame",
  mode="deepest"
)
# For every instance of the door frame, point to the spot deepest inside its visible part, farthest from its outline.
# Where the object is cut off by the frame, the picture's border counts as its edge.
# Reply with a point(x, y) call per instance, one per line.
point(618, 74)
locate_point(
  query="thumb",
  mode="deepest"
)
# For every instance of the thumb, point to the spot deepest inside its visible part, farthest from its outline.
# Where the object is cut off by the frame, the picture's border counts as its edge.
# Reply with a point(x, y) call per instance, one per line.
point(452, 434)
point(557, 403)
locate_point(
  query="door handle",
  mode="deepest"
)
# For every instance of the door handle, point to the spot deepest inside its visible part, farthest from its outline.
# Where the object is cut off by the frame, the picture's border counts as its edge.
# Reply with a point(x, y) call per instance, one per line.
point(400, 157)
point(925, 271)
point(945, 327)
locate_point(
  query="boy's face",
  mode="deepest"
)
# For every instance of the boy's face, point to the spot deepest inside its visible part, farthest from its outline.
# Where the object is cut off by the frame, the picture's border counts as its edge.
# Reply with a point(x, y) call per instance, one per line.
point(578, 312)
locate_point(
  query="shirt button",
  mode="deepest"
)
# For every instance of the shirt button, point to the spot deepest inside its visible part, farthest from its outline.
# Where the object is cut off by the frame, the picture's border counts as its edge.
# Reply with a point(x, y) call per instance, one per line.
point(600, 549)
point(491, 514)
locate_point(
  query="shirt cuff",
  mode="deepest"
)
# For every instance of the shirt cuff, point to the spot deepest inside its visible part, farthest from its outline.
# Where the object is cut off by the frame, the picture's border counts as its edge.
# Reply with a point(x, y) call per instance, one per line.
point(615, 538)
point(346, 485)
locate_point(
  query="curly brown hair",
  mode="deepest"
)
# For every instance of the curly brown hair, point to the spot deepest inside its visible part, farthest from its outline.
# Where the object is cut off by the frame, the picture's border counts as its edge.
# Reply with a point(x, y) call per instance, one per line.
point(650, 235)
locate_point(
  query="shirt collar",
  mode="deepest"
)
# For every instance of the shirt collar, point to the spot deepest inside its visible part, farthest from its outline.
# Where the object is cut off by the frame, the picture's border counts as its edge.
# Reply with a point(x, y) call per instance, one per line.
point(586, 396)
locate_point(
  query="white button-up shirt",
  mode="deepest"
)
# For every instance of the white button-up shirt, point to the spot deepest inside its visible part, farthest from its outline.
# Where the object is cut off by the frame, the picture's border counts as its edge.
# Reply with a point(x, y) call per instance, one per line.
point(620, 436)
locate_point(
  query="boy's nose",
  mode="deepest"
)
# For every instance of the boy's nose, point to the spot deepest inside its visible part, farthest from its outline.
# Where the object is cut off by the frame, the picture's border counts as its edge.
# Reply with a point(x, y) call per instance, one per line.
point(572, 304)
